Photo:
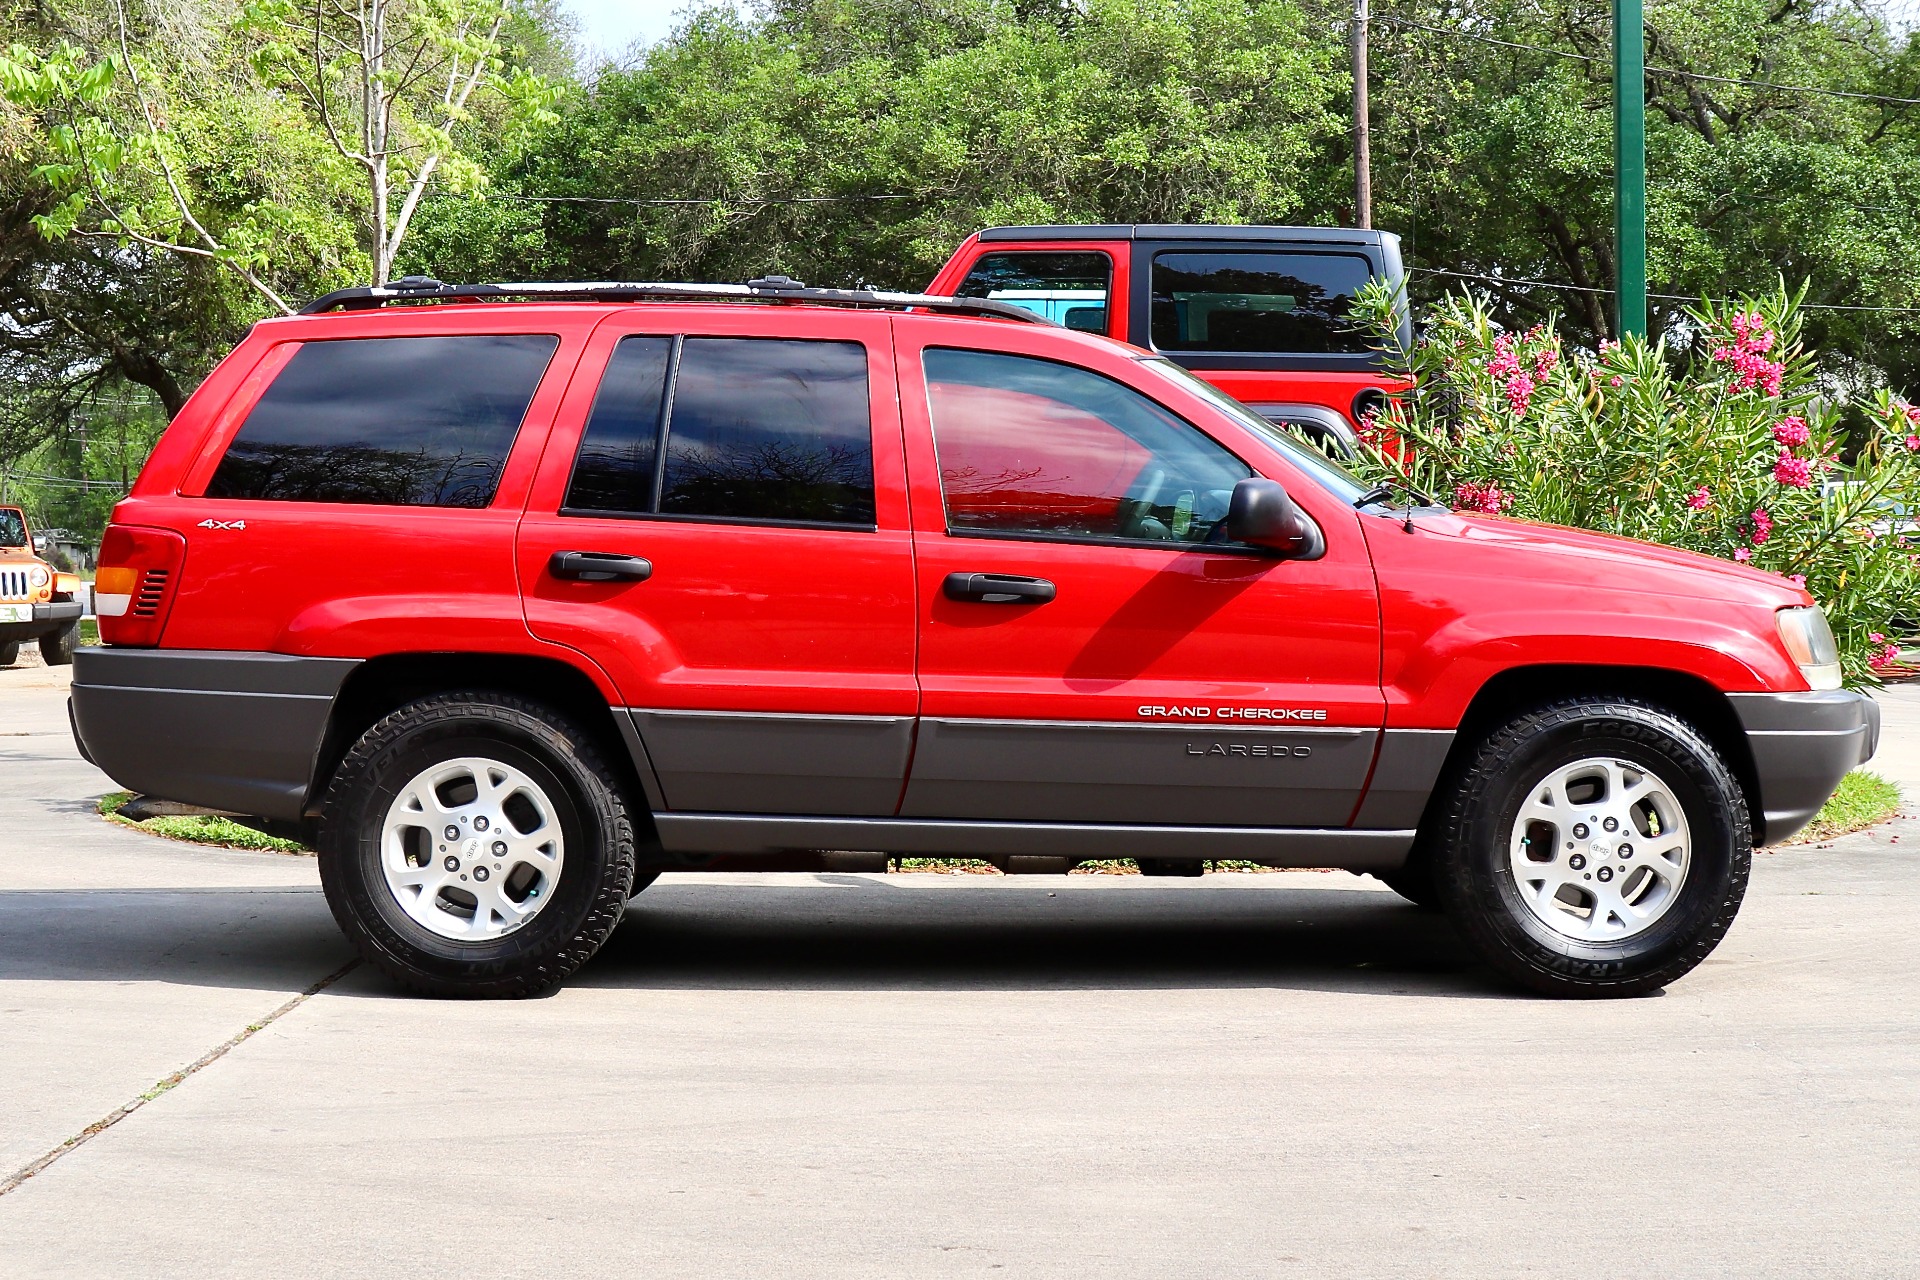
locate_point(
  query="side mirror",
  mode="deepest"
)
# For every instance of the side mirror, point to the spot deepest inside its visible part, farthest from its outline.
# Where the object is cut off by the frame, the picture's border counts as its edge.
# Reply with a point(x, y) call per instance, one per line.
point(1261, 514)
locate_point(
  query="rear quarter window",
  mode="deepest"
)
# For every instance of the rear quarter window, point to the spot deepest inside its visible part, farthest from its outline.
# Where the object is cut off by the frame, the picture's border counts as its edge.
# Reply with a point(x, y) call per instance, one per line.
point(1257, 302)
point(387, 421)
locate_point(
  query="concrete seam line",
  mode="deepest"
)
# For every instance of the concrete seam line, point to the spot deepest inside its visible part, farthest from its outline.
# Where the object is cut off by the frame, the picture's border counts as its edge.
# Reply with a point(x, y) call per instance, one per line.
point(206, 1059)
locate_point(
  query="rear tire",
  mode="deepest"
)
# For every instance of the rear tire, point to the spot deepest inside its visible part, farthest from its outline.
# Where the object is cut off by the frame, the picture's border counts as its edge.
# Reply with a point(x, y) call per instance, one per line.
point(1594, 847)
point(535, 875)
point(56, 647)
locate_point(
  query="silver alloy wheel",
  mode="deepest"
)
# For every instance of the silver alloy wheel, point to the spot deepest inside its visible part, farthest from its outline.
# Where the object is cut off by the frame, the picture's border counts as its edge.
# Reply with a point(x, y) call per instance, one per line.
point(1600, 849)
point(472, 849)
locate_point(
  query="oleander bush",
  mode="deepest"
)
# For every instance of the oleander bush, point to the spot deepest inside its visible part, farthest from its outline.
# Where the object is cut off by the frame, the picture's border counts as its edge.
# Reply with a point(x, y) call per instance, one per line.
point(1716, 438)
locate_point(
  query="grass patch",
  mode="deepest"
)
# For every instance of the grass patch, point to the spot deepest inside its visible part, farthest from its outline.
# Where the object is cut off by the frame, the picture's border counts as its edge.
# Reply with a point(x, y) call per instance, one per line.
point(89, 632)
point(206, 829)
point(1862, 799)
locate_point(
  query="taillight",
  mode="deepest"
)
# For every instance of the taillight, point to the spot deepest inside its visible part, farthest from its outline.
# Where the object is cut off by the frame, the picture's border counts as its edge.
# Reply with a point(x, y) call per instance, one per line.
point(134, 586)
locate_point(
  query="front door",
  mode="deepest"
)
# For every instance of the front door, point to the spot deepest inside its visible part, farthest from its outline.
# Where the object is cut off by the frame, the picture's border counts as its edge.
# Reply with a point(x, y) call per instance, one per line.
point(1091, 648)
point(719, 523)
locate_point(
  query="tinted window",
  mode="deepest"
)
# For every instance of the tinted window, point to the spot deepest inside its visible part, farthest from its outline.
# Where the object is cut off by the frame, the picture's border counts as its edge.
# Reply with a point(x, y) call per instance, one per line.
point(1256, 302)
point(1067, 288)
point(770, 429)
point(1029, 446)
point(13, 530)
point(399, 421)
point(614, 471)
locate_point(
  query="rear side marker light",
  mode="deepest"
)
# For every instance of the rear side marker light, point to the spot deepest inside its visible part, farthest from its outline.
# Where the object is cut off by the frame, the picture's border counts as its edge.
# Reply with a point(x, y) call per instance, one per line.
point(134, 586)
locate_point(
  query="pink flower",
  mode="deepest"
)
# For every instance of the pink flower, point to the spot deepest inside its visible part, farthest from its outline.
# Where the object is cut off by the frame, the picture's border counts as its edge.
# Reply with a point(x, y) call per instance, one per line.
point(1798, 580)
point(1885, 652)
point(1791, 471)
point(1876, 637)
point(1488, 498)
point(1520, 390)
point(1546, 362)
point(1792, 432)
point(1699, 499)
point(1742, 554)
point(1762, 525)
point(1913, 444)
point(1615, 380)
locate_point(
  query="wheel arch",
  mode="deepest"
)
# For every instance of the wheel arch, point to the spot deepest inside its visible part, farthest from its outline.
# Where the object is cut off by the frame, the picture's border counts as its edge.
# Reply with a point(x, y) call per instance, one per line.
point(1520, 689)
point(380, 685)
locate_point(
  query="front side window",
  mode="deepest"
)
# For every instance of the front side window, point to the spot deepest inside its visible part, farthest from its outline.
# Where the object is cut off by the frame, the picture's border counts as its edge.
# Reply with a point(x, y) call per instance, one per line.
point(13, 528)
point(1256, 302)
point(1070, 289)
point(748, 429)
point(1033, 448)
point(421, 422)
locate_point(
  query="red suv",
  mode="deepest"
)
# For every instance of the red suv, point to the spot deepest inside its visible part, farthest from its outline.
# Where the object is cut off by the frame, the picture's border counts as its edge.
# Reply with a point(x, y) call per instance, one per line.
point(517, 604)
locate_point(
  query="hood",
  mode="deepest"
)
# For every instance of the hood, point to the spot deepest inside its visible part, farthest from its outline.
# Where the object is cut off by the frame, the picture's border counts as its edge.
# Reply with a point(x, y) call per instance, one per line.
point(1554, 553)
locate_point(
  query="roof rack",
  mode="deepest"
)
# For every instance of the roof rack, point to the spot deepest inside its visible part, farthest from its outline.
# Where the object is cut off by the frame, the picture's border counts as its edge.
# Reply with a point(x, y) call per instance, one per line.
point(763, 289)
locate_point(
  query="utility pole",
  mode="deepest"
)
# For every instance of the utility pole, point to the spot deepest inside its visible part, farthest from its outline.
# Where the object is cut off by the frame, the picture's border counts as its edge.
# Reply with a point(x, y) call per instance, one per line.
point(1362, 145)
point(1629, 165)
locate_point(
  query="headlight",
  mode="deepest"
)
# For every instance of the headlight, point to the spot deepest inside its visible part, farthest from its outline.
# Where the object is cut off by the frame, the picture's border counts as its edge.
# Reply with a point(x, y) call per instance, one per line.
point(1809, 640)
point(38, 576)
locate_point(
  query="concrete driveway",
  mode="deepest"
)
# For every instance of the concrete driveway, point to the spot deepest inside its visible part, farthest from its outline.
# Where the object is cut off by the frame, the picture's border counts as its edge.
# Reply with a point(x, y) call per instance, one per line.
point(905, 1076)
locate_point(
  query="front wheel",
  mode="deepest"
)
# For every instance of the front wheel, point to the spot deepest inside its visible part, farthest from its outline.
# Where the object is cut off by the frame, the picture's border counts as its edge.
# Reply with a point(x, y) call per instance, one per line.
point(476, 844)
point(9, 653)
point(1595, 847)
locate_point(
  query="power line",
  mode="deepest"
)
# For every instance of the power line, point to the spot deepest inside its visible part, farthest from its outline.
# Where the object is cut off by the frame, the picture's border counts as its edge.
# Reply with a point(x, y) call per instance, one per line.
point(1520, 282)
point(1887, 99)
point(687, 200)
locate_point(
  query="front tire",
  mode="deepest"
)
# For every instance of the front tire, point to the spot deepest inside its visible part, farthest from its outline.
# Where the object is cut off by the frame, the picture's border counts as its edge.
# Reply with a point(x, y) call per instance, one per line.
point(56, 647)
point(1594, 847)
point(476, 844)
point(9, 653)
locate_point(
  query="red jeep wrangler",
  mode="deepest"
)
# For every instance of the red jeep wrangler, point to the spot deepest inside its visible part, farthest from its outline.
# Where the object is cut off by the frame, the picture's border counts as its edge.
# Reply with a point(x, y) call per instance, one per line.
point(521, 603)
point(1260, 312)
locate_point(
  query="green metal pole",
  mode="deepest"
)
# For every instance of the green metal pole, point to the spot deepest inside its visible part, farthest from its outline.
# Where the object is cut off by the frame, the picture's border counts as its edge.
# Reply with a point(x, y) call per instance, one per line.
point(1630, 165)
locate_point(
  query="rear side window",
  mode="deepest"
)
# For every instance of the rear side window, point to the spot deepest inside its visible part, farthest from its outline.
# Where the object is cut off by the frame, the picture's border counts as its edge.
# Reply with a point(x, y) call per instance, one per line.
point(1030, 448)
point(754, 429)
point(419, 422)
point(1067, 288)
point(1257, 302)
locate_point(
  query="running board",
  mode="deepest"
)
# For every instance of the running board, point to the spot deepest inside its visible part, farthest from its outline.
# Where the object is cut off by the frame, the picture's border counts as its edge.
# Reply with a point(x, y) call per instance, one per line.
point(727, 833)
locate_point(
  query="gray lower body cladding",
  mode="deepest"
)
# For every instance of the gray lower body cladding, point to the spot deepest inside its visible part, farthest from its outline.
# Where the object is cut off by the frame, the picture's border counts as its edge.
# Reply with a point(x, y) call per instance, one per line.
point(726, 833)
point(747, 762)
point(235, 731)
point(1803, 744)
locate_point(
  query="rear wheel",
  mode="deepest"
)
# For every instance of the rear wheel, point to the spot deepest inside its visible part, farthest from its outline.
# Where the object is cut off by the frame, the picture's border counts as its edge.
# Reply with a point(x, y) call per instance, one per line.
point(476, 844)
point(56, 647)
point(1595, 847)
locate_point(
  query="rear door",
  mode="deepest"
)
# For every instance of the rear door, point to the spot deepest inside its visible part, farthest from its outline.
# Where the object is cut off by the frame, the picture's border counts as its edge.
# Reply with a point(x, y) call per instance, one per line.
point(720, 522)
point(1090, 647)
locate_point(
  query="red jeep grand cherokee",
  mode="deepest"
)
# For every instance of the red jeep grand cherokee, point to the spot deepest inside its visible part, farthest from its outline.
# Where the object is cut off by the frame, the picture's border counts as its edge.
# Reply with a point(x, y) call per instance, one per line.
point(521, 603)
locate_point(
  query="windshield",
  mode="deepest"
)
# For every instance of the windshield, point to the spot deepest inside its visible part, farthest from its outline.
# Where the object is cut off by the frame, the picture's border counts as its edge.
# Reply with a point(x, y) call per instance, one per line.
point(1330, 475)
point(13, 528)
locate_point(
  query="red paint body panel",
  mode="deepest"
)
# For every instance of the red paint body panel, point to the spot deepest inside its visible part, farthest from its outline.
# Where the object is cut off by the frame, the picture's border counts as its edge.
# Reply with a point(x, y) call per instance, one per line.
point(1134, 626)
point(736, 617)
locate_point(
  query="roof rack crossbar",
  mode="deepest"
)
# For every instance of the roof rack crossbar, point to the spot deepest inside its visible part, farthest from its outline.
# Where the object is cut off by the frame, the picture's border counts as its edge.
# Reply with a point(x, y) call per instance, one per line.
point(767, 289)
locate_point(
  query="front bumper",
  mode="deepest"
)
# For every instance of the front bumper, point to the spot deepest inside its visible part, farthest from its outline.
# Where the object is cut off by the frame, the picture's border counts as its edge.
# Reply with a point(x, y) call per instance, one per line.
point(47, 618)
point(233, 731)
point(1802, 745)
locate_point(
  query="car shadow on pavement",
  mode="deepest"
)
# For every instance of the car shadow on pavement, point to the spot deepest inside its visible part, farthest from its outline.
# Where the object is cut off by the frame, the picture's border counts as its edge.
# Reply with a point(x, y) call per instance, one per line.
point(265, 939)
point(845, 933)
point(872, 934)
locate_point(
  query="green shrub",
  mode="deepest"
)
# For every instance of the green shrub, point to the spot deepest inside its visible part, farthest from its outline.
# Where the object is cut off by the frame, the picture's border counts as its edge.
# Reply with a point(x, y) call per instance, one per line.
point(1717, 439)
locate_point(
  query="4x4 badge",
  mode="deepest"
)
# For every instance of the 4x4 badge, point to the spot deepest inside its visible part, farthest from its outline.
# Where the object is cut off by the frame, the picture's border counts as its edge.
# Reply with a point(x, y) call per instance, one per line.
point(222, 524)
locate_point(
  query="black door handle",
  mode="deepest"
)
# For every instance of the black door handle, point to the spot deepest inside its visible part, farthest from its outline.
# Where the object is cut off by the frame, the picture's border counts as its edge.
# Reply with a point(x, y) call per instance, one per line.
point(599, 566)
point(997, 588)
